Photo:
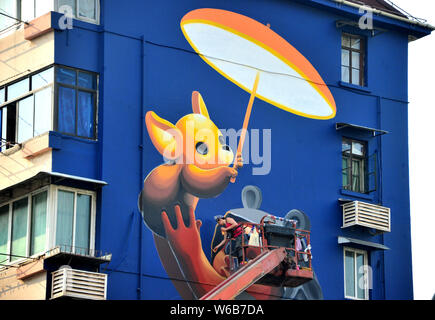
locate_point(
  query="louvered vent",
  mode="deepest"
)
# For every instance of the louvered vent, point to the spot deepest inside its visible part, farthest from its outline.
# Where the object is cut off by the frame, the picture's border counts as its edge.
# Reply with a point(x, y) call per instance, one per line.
point(80, 284)
point(366, 215)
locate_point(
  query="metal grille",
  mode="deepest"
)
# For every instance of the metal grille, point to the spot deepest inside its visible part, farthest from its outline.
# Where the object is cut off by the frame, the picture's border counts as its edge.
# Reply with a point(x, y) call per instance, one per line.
point(80, 284)
point(367, 215)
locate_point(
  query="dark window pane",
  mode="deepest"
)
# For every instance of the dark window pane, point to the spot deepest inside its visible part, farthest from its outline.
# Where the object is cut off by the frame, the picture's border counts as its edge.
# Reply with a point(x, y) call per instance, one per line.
point(87, 80)
point(4, 117)
point(67, 110)
point(345, 170)
point(9, 124)
point(66, 76)
point(85, 116)
point(356, 175)
point(18, 89)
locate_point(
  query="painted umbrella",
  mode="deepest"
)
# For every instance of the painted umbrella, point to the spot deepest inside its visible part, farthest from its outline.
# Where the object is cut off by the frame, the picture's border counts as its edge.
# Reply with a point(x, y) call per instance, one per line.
point(258, 60)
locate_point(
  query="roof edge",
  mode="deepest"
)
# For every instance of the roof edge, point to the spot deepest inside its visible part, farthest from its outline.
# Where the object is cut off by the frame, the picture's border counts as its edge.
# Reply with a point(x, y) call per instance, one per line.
point(385, 13)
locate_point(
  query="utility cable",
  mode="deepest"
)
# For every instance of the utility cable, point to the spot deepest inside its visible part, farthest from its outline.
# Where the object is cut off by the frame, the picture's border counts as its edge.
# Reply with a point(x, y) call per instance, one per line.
point(4, 13)
point(191, 282)
point(354, 90)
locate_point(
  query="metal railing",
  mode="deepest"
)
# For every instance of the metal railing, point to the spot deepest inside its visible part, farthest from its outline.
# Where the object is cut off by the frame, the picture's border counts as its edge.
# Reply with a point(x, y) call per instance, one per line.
point(300, 256)
point(85, 252)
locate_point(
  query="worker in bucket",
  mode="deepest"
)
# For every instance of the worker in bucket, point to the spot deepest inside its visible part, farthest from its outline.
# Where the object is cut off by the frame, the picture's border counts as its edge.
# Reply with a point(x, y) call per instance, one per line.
point(233, 232)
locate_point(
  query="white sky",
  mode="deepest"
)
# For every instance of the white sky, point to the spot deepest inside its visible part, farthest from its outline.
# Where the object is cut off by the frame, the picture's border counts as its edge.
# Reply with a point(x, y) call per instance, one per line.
point(422, 150)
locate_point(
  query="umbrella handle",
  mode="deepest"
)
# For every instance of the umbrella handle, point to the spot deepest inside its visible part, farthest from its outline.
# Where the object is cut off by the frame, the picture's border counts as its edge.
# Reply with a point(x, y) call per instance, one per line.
point(246, 122)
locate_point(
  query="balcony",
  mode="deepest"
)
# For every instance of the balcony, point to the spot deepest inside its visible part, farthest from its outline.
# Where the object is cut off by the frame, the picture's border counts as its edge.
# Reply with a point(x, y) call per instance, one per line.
point(367, 215)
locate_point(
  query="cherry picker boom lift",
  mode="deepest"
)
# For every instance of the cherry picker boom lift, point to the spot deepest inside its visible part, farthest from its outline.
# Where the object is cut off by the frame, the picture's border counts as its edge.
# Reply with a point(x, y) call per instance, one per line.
point(282, 257)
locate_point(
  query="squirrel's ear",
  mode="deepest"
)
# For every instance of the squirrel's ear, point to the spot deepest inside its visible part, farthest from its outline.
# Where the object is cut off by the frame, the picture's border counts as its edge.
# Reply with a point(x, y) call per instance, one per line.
point(198, 104)
point(166, 137)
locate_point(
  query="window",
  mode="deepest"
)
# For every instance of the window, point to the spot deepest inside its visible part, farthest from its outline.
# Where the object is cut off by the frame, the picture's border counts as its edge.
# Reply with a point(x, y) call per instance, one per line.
point(28, 107)
point(24, 10)
point(86, 10)
point(76, 99)
point(352, 59)
point(23, 226)
point(356, 284)
point(49, 217)
point(27, 10)
point(10, 9)
point(73, 219)
point(354, 165)
point(31, 9)
point(4, 233)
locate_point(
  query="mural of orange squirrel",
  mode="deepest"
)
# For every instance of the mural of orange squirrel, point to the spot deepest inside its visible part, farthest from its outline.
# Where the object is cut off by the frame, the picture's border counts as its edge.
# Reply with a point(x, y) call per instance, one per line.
point(197, 167)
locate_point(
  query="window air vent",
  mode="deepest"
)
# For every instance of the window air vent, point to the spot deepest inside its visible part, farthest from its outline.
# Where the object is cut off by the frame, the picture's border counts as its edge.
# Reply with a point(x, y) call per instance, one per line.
point(366, 215)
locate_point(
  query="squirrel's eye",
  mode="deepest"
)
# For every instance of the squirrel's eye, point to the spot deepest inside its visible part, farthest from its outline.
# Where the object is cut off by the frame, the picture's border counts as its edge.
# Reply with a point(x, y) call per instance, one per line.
point(201, 148)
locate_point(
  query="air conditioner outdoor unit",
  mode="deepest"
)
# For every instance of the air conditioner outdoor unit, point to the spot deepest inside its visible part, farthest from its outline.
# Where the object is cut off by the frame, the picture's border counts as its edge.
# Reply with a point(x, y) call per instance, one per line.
point(366, 215)
point(67, 282)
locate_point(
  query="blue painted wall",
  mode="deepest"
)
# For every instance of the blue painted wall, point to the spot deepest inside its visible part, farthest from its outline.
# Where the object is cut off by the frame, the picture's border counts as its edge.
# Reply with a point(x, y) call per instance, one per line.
point(159, 74)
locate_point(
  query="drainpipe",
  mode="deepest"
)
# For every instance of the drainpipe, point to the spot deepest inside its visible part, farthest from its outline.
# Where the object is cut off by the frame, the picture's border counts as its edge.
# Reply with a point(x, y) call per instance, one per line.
point(386, 14)
point(380, 194)
point(141, 147)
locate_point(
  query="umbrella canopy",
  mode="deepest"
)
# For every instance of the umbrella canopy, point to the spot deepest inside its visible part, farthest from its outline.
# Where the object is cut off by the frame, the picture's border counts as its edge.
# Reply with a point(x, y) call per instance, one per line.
point(239, 48)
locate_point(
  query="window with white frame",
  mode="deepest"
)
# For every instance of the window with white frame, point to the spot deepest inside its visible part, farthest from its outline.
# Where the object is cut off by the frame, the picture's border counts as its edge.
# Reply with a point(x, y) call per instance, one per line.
point(15, 11)
point(23, 226)
point(73, 219)
point(26, 108)
point(356, 277)
point(9, 17)
point(31, 9)
point(86, 10)
point(49, 217)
